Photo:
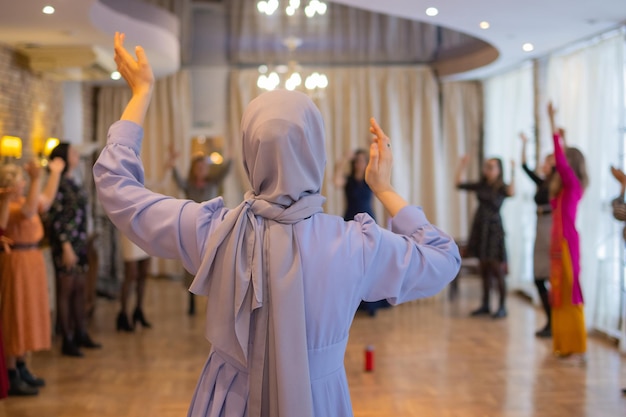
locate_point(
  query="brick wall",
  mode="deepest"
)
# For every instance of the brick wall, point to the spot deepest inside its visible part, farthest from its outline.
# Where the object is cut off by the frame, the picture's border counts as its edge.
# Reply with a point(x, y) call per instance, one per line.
point(31, 107)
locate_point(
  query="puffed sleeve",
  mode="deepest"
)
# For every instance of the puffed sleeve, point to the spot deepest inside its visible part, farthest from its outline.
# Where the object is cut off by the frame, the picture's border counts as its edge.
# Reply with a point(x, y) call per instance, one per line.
point(413, 260)
point(162, 226)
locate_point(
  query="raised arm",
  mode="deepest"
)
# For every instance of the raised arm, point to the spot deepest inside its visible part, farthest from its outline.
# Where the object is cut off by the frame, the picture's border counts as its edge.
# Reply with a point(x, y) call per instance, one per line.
point(618, 204)
point(49, 192)
point(568, 176)
point(160, 225)
point(339, 174)
point(531, 174)
point(378, 171)
point(31, 205)
point(510, 188)
point(5, 194)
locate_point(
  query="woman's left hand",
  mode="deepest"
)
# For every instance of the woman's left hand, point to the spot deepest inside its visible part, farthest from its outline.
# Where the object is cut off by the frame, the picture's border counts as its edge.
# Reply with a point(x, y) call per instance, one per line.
point(137, 73)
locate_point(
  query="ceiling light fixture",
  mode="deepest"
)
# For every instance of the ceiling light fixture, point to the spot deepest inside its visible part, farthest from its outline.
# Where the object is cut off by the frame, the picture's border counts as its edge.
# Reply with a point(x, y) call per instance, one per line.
point(528, 47)
point(48, 10)
point(484, 24)
point(269, 7)
point(432, 11)
point(115, 75)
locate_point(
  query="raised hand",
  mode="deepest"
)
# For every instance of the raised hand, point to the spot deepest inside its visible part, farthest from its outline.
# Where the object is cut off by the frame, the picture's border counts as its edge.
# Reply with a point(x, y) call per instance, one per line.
point(56, 166)
point(619, 175)
point(523, 137)
point(33, 169)
point(137, 72)
point(378, 171)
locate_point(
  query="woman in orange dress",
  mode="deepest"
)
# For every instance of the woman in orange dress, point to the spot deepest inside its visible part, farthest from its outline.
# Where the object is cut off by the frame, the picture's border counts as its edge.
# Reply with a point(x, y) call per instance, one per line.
point(24, 311)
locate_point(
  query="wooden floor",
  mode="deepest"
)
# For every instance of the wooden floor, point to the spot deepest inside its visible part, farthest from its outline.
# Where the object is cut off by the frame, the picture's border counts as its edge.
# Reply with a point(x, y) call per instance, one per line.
point(431, 360)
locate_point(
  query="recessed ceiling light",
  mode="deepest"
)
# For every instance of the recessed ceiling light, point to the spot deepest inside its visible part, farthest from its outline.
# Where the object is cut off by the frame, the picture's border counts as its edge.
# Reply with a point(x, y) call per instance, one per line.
point(484, 24)
point(528, 47)
point(432, 11)
point(48, 10)
point(115, 75)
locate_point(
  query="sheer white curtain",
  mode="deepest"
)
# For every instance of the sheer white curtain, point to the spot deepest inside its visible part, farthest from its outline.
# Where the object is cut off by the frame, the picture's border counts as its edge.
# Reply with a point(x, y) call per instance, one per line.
point(167, 122)
point(587, 87)
point(509, 110)
point(462, 121)
point(405, 100)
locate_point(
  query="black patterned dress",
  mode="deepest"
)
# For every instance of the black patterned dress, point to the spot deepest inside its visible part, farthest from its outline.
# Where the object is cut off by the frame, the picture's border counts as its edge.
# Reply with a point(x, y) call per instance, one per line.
point(67, 221)
point(486, 240)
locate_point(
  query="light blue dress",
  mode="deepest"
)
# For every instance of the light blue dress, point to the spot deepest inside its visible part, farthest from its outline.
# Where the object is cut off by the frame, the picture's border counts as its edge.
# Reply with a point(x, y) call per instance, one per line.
point(345, 263)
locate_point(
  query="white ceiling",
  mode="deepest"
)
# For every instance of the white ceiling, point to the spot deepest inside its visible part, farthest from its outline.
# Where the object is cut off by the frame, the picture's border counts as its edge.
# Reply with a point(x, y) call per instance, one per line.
point(548, 24)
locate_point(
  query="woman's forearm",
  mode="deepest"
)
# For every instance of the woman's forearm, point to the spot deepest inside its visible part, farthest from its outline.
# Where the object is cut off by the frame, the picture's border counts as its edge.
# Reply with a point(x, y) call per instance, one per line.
point(137, 107)
point(391, 200)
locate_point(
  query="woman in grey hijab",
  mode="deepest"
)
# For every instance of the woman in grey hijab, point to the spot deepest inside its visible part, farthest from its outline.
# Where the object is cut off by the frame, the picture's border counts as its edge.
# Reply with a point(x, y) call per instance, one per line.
point(283, 279)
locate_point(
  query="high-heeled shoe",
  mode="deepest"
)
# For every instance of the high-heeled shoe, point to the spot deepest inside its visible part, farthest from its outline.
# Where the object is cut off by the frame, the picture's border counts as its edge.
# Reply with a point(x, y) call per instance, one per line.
point(84, 340)
point(139, 317)
point(70, 348)
point(123, 324)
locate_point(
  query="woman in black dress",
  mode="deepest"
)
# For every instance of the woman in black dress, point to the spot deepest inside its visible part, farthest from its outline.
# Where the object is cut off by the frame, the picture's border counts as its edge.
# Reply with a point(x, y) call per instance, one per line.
point(67, 232)
point(541, 254)
point(358, 200)
point(486, 240)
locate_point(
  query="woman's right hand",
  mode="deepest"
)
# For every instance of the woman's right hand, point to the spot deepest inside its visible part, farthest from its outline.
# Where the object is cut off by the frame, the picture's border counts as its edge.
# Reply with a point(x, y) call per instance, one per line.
point(69, 256)
point(137, 73)
point(33, 170)
point(56, 166)
point(523, 137)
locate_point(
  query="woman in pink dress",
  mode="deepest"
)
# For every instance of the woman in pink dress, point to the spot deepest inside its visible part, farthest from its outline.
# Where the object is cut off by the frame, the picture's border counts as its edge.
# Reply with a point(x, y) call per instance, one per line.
point(283, 279)
point(569, 333)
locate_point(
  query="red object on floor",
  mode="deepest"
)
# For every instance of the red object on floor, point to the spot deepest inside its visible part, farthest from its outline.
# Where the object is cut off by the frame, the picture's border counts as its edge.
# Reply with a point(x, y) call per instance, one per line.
point(369, 358)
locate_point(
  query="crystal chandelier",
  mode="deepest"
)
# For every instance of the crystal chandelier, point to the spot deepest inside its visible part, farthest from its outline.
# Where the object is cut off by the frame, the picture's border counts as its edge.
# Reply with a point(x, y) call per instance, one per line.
point(269, 7)
point(290, 76)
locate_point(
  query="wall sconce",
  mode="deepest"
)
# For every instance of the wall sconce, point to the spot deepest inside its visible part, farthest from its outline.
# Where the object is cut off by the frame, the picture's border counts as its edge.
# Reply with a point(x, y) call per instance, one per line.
point(11, 147)
point(51, 143)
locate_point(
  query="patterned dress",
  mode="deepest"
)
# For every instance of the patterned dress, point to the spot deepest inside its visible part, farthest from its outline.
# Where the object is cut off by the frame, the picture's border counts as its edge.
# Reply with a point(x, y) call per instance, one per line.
point(25, 309)
point(569, 334)
point(67, 221)
point(486, 240)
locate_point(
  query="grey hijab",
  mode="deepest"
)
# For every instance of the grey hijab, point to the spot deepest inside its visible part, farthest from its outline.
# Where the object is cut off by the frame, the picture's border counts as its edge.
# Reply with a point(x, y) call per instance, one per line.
point(255, 309)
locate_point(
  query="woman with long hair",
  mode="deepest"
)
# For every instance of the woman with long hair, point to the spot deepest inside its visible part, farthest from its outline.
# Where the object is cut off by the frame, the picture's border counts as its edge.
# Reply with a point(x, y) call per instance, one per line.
point(486, 241)
point(569, 334)
point(202, 184)
point(541, 253)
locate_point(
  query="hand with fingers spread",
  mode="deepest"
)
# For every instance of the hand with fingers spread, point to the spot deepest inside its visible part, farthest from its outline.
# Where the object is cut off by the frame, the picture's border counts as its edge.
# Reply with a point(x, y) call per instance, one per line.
point(137, 72)
point(139, 77)
point(378, 171)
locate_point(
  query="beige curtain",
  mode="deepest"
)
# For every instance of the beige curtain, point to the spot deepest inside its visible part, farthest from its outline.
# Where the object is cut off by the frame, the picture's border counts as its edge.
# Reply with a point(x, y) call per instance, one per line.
point(166, 123)
point(405, 100)
point(462, 118)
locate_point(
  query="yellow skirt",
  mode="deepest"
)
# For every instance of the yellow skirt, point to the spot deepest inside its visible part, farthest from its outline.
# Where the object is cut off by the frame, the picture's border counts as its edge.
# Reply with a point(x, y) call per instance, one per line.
point(569, 335)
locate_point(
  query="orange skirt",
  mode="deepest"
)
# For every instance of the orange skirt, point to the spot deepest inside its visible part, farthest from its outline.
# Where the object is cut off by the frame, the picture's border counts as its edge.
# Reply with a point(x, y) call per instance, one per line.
point(24, 306)
point(569, 334)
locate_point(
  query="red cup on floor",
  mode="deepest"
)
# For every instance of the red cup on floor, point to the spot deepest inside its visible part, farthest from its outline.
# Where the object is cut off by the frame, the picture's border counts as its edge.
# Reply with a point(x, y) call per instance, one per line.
point(369, 358)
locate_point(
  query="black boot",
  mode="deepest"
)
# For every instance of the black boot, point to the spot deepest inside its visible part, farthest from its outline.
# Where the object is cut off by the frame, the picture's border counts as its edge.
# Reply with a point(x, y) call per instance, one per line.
point(70, 348)
point(27, 377)
point(17, 387)
point(544, 333)
point(481, 311)
point(139, 317)
point(192, 305)
point(84, 340)
point(122, 323)
point(500, 314)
